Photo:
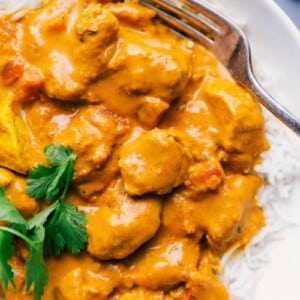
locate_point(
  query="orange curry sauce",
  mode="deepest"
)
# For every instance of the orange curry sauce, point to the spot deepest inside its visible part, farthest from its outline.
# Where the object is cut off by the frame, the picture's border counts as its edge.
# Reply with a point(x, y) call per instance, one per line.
point(166, 144)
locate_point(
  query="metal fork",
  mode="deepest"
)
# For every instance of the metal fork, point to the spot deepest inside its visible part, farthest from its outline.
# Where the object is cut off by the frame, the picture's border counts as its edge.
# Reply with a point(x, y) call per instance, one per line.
point(226, 41)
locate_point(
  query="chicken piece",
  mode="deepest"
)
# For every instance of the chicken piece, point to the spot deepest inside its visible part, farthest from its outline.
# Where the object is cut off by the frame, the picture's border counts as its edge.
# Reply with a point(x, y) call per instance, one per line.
point(131, 13)
point(97, 31)
point(92, 49)
point(205, 284)
point(240, 121)
point(138, 293)
point(87, 284)
point(6, 177)
point(241, 217)
point(153, 162)
point(179, 217)
point(166, 262)
point(76, 41)
point(179, 293)
point(80, 277)
point(221, 214)
point(204, 176)
point(91, 133)
point(151, 70)
point(191, 116)
point(125, 223)
point(253, 220)
point(16, 192)
point(90, 186)
point(46, 118)
point(144, 68)
point(151, 111)
point(14, 138)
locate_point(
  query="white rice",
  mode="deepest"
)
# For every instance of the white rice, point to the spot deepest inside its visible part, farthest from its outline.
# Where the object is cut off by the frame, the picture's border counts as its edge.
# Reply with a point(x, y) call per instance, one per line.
point(279, 169)
point(17, 7)
point(275, 197)
point(239, 271)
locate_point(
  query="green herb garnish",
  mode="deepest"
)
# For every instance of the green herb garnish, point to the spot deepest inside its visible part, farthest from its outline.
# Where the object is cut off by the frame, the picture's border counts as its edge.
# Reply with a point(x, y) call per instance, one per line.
point(60, 226)
point(47, 182)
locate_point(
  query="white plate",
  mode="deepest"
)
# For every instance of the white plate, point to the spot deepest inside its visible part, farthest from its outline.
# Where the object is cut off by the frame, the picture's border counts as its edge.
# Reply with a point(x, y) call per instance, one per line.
point(275, 43)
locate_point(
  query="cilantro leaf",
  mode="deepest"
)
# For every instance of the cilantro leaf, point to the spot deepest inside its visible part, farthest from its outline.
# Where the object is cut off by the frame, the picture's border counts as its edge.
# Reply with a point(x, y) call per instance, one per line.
point(40, 177)
point(49, 182)
point(8, 212)
point(42, 216)
point(59, 226)
point(6, 250)
point(35, 267)
point(66, 228)
point(58, 154)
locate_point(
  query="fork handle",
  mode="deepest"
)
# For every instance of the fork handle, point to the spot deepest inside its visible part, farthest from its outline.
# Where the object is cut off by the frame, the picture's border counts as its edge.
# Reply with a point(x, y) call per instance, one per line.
point(285, 116)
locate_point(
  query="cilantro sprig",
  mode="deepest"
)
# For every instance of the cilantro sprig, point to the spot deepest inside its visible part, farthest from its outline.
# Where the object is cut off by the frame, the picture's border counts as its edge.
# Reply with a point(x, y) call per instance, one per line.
point(47, 182)
point(60, 226)
point(35, 267)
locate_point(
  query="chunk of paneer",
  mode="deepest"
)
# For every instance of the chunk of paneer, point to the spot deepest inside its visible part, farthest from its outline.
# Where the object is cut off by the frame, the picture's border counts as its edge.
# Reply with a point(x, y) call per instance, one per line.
point(153, 162)
point(166, 262)
point(14, 138)
point(220, 215)
point(240, 122)
point(120, 224)
point(91, 133)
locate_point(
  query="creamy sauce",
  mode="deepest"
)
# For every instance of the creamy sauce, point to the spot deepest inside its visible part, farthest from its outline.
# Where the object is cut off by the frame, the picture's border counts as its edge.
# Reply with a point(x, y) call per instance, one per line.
point(166, 144)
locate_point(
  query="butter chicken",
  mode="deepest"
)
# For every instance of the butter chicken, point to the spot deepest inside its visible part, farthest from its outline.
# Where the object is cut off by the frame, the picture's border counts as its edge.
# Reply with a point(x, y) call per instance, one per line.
point(166, 142)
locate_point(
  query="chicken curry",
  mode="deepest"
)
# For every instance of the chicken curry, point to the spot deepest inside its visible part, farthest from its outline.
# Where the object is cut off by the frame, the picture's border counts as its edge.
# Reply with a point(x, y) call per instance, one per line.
point(165, 140)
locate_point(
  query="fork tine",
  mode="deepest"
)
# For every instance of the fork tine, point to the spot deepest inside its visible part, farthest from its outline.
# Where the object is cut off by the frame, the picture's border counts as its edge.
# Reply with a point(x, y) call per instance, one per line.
point(227, 42)
point(177, 23)
point(197, 6)
point(193, 17)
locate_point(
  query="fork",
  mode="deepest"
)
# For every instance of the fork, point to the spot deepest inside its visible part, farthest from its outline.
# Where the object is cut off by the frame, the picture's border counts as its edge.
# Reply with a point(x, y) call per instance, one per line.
point(226, 41)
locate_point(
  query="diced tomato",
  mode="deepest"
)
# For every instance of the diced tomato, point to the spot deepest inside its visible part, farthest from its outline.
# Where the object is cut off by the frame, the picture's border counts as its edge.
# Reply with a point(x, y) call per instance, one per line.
point(11, 72)
point(32, 83)
point(185, 295)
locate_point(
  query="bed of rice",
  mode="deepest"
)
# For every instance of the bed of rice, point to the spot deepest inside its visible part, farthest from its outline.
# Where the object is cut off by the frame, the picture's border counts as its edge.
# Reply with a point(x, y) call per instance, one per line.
point(239, 270)
point(280, 168)
point(18, 7)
